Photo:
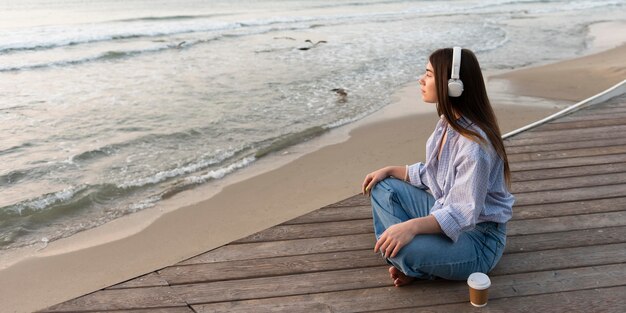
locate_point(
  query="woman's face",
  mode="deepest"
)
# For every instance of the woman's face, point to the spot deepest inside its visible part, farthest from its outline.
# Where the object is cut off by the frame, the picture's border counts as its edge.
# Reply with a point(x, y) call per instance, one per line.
point(427, 84)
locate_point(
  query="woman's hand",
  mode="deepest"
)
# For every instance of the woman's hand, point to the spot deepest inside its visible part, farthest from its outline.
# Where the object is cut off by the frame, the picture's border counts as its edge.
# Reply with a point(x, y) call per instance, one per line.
point(373, 178)
point(395, 237)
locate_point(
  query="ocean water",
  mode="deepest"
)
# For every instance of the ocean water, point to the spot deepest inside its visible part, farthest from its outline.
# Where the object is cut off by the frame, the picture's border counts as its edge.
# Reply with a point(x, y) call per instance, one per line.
point(108, 106)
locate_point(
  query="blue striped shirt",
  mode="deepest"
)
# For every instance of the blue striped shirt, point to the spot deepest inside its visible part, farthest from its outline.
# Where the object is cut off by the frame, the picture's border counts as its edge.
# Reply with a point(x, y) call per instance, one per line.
point(467, 181)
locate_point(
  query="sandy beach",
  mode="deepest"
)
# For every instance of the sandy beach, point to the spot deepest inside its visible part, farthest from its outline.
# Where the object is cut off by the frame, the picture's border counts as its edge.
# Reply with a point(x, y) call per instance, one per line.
point(579, 78)
point(291, 183)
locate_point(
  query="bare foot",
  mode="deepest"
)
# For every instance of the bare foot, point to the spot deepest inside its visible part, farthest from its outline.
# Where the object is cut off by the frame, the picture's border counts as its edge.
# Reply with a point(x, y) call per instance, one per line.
point(399, 279)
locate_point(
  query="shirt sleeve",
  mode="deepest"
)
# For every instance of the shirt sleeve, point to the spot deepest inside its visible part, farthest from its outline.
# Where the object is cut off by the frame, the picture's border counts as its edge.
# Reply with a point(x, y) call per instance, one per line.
point(415, 175)
point(465, 200)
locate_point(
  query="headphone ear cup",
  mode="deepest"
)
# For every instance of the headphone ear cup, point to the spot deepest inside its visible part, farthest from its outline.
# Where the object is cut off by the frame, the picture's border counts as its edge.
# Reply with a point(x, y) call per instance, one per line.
point(455, 88)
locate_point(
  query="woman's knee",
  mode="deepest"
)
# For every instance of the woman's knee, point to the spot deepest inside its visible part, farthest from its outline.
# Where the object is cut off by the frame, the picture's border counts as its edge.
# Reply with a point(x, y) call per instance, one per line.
point(389, 184)
point(382, 189)
point(414, 254)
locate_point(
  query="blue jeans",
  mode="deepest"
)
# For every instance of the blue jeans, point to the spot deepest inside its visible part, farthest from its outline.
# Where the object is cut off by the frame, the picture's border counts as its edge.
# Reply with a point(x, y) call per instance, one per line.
point(434, 255)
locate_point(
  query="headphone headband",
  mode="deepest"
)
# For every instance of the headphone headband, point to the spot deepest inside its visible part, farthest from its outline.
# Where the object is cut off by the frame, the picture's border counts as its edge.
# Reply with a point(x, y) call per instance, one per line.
point(456, 62)
point(455, 85)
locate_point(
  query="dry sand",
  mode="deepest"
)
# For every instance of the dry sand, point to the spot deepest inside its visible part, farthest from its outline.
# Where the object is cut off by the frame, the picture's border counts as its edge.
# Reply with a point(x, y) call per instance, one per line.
point(579, 78)
point(574, 80)
point(302, 179)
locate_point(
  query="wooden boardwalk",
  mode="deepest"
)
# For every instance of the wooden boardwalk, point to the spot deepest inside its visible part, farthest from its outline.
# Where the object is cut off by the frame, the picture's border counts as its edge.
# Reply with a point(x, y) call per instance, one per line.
point(566, 248)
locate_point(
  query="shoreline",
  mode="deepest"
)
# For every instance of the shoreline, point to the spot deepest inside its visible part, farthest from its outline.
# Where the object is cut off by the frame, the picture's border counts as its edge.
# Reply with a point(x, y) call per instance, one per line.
point(403, 101)
point(209, 216)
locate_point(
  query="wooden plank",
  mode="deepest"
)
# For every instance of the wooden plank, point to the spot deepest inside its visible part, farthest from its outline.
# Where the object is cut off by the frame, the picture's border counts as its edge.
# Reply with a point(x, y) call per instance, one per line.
point(569, 208)
point(300, 231)
point(608, 110)
point(582, 133)
point(514, 227)
point(149, 280)
point(524, 181)
point(120, 299)
point(432, 292)
point(329, 214)
point(519, 211)
point(569, 195)
point(610, 299)
point(567, 162)
point(542, 225)
point(524, 185)
point(524, 262)
point(267, 306)
point(549, 147)
point(231, 270)
point(566, 239)
point(589, 116)
point(537, 140)
point(565, 223)
point(366, 242)
point(286, 285)
point(179, 309)
point(575, 125)
point(259, 250)
point(249, 251)
point(573, 171)
point(360, 212)
point(590, 180)
point(238, 269)
point(615, 102)
point(618, 101)
point(572, 153)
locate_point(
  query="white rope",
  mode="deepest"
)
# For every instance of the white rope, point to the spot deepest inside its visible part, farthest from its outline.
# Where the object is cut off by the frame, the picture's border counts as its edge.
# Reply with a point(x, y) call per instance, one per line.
point(618, 89)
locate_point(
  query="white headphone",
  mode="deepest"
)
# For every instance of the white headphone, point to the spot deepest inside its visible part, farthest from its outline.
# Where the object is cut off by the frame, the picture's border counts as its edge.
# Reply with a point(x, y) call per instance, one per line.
point(455, 85)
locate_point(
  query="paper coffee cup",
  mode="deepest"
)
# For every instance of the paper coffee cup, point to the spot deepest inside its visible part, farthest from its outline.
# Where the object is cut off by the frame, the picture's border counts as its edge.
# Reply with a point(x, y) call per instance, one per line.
point(479, 284)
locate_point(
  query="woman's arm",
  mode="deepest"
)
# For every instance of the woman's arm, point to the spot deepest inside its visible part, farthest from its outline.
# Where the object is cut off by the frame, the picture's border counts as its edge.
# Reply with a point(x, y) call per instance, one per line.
point(397, 236)
point(465, 198)
point(373, 178)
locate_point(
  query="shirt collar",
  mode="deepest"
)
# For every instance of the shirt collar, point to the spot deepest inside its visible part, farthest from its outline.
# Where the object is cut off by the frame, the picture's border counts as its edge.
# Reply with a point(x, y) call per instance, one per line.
point(464, 122)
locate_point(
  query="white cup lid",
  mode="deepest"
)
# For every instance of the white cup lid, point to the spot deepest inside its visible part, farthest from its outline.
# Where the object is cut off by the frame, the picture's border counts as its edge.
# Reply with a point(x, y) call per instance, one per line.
point(479, 281)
